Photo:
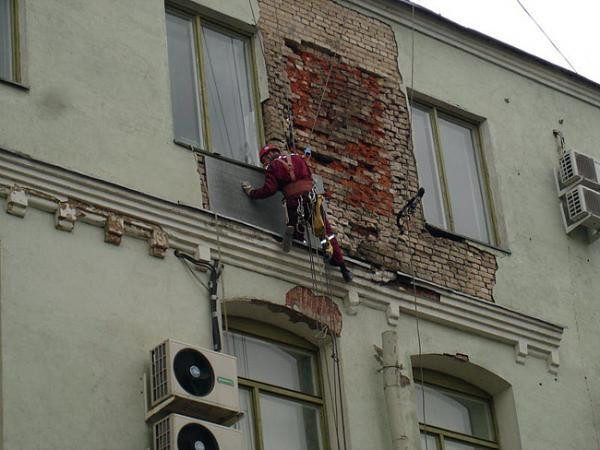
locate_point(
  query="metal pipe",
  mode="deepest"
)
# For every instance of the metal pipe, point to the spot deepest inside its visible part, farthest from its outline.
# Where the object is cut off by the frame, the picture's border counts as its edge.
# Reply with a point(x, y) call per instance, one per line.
point(394, 383)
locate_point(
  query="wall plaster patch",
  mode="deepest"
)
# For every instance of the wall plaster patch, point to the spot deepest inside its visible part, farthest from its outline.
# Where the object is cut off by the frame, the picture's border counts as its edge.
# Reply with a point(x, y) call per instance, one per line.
point(25, 182)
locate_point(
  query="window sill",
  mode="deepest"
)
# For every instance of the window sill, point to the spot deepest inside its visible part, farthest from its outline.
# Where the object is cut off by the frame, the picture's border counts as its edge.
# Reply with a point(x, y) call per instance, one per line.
point(204, 152)
point(440, 232)
point(14, 84)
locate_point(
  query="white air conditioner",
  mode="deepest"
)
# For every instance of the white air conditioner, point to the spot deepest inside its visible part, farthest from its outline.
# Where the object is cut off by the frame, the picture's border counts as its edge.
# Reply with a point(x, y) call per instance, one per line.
point(193, 381)
point(580, 207)
point(577, 168)
point(176, 432)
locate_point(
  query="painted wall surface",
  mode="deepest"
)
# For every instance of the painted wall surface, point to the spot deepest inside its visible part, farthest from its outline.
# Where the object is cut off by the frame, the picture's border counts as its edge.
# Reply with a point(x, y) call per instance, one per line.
point(77, 316)
point(547, 273)
point(85, 329)
point(99, 98)
point(76, 333)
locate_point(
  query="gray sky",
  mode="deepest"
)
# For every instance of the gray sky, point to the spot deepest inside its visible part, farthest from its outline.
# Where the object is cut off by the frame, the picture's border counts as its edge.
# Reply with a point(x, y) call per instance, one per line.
point(572, 25)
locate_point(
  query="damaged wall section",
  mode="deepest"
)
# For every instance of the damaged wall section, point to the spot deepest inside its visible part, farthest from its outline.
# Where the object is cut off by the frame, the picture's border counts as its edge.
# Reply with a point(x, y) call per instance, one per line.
point(361, 139)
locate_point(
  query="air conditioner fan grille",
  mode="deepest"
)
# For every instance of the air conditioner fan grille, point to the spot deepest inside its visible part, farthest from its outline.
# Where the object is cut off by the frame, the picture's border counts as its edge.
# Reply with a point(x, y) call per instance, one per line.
point(159, 372)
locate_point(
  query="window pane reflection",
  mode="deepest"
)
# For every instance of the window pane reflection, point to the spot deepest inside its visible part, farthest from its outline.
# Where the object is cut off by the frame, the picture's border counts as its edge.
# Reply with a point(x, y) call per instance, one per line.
point(455, 445)
point(246, 423)
point(289, 425)
point(427, 168)
point(429, 442)
point(230, 101)
point(464, 180)
point(275, 364)
point(455, 411)
point(184, 80)
point(5, 40)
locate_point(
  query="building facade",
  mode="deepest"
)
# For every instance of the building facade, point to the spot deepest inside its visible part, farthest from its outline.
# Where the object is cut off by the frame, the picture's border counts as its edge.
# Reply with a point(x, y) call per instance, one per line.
point(126, 131)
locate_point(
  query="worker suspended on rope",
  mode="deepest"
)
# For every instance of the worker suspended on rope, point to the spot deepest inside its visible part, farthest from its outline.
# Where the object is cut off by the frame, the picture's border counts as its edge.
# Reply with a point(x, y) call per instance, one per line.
point(290, 174)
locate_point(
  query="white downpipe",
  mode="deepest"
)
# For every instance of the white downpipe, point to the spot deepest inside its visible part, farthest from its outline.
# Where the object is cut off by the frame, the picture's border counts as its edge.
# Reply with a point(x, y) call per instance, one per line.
point(394, 383)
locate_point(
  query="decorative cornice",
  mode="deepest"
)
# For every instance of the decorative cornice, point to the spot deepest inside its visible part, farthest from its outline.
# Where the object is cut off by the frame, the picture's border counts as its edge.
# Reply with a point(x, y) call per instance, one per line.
point(481, 46)
point(76, 198)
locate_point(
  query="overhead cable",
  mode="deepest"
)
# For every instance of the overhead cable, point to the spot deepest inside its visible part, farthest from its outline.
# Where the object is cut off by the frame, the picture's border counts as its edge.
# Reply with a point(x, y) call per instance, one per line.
point(546, 34)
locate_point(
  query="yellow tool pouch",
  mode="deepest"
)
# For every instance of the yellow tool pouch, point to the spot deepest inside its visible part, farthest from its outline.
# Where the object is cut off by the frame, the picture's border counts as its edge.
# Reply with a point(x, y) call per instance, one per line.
point(318, 226)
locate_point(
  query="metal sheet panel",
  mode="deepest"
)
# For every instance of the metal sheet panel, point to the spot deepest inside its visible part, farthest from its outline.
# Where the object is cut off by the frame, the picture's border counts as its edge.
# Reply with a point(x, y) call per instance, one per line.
point(227, 198)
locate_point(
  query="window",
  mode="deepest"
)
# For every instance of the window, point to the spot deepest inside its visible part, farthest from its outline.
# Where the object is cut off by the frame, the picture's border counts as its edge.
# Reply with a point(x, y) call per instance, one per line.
point(212, 87)
point(8, 41)
point(450, 166)
point(453, 415)
point(280, 392)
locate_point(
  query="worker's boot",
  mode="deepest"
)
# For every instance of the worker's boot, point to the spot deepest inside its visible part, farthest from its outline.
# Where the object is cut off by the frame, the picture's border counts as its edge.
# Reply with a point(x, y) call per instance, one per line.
point(346, 273)
point(288, 235)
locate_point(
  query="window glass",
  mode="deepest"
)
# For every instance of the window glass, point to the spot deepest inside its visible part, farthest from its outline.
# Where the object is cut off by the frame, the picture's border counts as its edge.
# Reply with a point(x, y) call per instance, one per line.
point(455, 445)
point(272, 363)
point(275, 379)
point(245, 423)
point(289, 425)
point(6, 51)
point(429, 442)
point(185, 97)
point(455, 411)
point(450, 169)
point(231, 109)
point(428, 169)
point(463, 178)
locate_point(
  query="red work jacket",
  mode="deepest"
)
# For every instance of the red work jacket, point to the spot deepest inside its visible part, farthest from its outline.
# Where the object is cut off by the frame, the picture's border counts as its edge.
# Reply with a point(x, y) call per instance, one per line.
point(281, 174)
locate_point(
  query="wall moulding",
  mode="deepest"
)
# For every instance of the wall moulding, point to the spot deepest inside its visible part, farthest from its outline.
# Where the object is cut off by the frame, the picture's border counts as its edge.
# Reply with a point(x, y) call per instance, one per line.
point(170, 225)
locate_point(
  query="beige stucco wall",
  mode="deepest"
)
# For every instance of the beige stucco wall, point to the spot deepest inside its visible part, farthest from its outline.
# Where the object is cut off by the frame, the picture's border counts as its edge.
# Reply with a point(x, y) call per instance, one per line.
point(547, 274)
point(75, 329)
point(76, 335)
point(99, 98)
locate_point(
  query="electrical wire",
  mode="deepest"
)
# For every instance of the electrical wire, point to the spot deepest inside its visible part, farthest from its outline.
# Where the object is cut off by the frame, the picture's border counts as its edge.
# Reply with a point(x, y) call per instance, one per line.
point(313, 271)
point(412, 250)
point(223, 302)
point(546, 35)
point(194, 274)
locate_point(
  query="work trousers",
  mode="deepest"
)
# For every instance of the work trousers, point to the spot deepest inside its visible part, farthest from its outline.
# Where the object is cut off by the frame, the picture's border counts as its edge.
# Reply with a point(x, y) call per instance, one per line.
point(337, 259)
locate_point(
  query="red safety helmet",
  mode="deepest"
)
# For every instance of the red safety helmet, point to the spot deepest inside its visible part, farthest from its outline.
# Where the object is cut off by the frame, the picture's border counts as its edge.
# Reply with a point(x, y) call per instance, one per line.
point(266, 150)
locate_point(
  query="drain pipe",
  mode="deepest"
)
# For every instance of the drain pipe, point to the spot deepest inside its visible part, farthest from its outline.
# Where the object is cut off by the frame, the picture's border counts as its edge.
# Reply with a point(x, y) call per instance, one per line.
point(398, 396)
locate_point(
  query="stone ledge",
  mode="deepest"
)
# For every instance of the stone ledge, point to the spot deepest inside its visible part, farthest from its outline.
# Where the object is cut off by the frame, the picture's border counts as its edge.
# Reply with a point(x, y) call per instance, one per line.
point(166, 224)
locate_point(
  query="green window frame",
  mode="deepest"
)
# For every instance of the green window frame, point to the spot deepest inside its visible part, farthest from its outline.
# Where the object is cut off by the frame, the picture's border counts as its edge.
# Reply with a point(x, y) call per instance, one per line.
point(10, 64)
point(214, 86)
point(452, 389)
point(452, 169)
point(257, 389)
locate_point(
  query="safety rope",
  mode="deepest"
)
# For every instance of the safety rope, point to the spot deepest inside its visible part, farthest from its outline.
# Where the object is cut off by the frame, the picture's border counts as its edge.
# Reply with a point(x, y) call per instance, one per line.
point(410, 261)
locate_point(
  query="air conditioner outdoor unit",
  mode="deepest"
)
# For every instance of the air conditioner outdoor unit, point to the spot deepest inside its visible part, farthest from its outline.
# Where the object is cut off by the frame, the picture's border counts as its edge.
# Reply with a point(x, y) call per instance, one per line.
point(193, 381)
point(580, 207)
point(574, 168)
point(176, 432)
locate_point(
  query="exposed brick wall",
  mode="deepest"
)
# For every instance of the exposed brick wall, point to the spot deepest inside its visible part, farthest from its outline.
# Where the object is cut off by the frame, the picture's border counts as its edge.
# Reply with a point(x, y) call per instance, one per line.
point(361, 137)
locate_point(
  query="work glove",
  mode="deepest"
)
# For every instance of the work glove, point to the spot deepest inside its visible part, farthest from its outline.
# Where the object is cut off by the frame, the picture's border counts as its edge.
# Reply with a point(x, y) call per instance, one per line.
point(247, 187)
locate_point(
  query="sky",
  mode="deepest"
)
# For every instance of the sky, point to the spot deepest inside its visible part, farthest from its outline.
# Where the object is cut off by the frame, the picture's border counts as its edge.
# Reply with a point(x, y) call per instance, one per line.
point(572, 25)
